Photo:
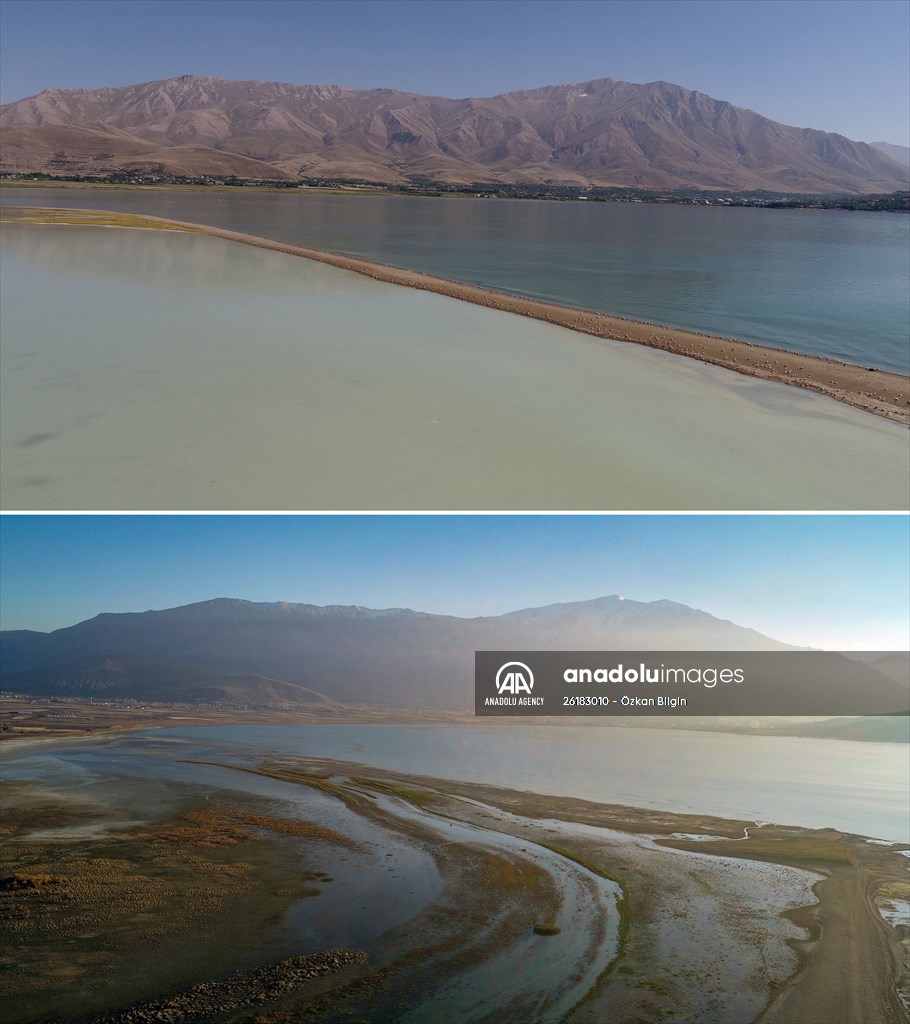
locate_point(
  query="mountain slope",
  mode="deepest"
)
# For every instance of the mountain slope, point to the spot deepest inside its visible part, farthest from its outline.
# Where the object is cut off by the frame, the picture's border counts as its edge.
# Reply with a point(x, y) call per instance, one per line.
point(602, 132)
point(75, 149)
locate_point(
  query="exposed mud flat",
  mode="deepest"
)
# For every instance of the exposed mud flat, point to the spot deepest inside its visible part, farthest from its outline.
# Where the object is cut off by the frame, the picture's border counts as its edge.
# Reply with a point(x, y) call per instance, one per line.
point(412, 899)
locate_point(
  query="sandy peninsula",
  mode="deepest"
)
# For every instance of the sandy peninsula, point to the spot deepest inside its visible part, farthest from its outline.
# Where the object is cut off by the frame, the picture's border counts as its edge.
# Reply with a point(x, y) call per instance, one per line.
point(879, 392)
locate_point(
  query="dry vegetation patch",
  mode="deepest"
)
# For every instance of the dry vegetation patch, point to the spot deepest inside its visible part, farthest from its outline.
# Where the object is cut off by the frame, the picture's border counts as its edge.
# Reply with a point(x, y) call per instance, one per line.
point(777, 846)
point(27, 882)
point(87, 218)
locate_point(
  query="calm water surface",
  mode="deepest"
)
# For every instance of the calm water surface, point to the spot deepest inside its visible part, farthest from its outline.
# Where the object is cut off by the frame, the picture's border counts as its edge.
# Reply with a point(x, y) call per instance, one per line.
point(149, 369)
point(829, 283)
point(857, 787)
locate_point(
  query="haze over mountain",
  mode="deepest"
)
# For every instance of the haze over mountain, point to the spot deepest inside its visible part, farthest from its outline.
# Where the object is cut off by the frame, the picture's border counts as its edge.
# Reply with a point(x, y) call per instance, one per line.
point(294, 655)
point(602, 132)
point(899, 153)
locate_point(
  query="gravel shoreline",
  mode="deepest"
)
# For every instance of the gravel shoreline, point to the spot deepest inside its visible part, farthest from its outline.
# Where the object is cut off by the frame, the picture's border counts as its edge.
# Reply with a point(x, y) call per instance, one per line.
point(245, 990)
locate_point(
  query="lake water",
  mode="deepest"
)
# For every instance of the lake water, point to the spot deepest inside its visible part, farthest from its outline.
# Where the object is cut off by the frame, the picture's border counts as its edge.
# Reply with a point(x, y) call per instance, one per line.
point(147, 369)
point(856, 787)
point(829, 283)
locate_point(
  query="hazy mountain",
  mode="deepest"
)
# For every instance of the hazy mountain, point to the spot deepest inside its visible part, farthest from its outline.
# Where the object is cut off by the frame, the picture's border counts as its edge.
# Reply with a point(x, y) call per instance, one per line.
point(602, 132)
point(901, 154)
point(614, 623)
point(265, 653)
point(895, 665)
point(154, 679)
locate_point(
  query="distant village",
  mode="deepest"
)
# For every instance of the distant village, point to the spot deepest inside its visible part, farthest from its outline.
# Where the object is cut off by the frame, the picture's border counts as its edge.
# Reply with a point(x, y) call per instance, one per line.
point(891, 202)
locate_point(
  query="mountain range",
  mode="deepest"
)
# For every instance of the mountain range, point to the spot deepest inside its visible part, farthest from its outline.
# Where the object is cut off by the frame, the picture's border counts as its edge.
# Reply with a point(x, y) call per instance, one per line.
point(298, 655)
point(601, 132)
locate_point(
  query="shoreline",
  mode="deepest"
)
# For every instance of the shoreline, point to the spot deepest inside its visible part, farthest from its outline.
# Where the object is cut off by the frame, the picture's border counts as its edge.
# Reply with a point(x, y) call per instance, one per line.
point(92, 723)
point(882, 393)
point(33, 721)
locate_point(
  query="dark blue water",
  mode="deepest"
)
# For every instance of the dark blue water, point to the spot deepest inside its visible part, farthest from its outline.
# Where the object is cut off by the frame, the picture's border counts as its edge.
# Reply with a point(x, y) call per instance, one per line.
point(832, 283)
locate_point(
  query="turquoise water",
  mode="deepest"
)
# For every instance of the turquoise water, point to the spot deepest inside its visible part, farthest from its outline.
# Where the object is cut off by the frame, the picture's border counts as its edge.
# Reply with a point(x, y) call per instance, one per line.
point(162, 370)
point(831, 283)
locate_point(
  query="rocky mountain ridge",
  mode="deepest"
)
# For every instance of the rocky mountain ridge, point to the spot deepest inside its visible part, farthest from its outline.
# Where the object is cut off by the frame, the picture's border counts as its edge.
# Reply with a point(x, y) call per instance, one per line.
point(601, 132)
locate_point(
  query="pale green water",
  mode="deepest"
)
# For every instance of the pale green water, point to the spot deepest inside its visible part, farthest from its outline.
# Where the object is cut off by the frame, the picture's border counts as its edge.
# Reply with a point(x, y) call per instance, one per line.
point(149, 370)
point(831, 283)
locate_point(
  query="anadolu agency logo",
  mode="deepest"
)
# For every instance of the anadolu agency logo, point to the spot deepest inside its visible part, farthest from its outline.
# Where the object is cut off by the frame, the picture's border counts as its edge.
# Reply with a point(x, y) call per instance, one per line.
point(513, 681)
point(514, 677)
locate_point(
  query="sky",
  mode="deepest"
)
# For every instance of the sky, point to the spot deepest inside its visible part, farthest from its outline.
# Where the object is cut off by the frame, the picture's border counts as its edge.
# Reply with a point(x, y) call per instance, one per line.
point(836, 65)
point(835, 582)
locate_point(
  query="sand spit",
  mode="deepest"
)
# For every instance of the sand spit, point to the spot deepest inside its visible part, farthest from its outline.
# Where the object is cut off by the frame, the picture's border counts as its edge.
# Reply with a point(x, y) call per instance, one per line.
point(880, 392)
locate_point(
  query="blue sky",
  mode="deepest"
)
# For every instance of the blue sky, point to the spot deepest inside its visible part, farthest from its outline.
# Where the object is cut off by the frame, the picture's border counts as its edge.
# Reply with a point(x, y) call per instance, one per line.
point(837, 65)
point(828, 581)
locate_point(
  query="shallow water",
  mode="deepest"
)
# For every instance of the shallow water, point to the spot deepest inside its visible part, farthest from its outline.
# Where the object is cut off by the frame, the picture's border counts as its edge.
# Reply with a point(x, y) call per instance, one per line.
point(720, 919)
point(896, 912)
point(165, 370)
point(825, 282)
